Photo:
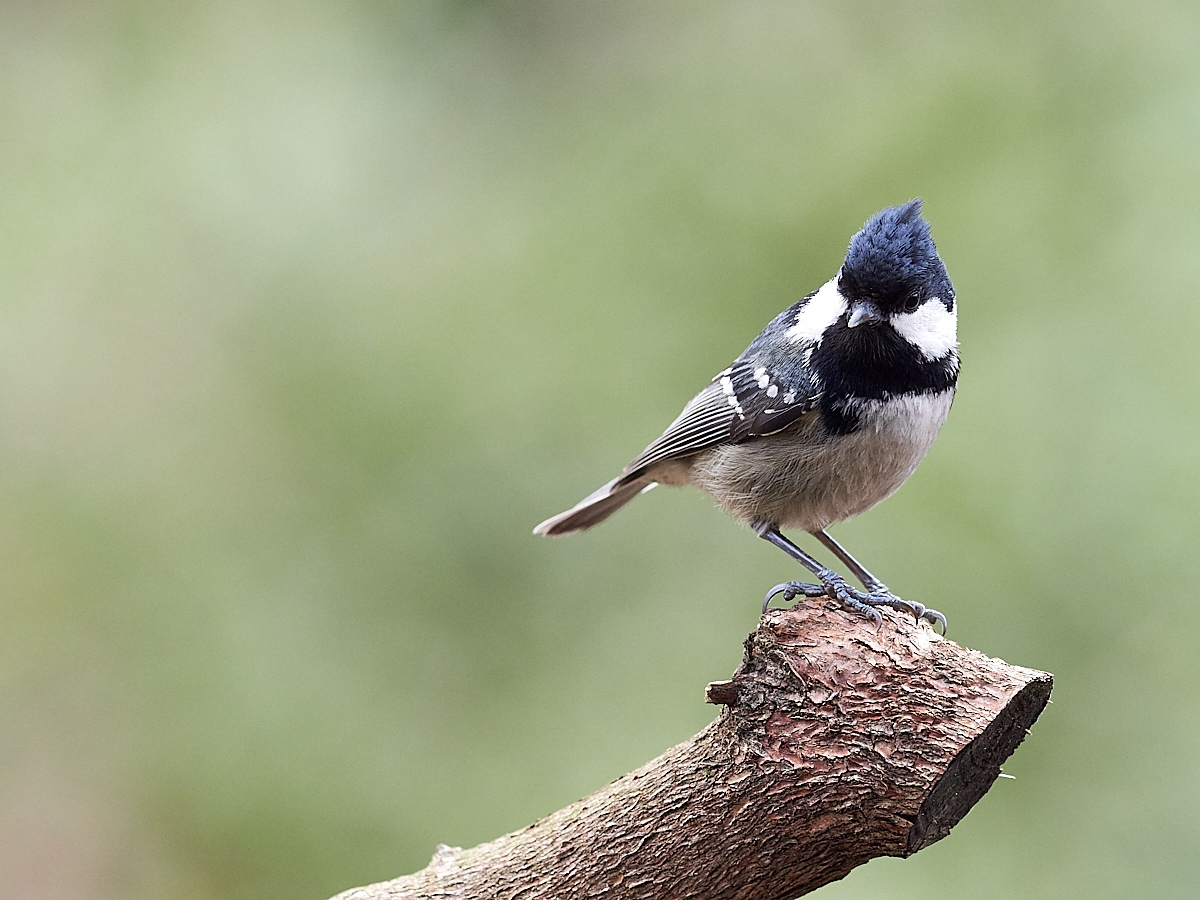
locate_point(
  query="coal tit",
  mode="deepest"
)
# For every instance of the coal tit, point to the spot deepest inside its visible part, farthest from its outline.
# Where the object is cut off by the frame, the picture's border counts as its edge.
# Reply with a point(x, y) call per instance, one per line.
point(825, 414)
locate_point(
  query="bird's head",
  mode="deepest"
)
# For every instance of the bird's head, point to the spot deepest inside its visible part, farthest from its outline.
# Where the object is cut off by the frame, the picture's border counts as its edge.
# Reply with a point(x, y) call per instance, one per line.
point(893, 275)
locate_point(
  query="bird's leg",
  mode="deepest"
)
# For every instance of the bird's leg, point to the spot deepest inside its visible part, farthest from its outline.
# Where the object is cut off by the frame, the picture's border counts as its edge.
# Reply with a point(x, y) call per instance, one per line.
point(877, 592)
point(832, 584)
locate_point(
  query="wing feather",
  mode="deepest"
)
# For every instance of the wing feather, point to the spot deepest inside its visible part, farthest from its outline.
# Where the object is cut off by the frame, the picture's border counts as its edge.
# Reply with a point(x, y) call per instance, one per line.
point(742, 403)
point(704, 422)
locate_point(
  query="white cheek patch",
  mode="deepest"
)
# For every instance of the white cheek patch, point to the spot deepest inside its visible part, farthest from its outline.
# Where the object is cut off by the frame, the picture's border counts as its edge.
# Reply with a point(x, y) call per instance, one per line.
point(824, 308)
point(932, 328)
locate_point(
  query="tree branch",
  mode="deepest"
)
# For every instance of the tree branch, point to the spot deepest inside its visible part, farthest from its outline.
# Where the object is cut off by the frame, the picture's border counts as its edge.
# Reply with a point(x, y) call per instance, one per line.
point(836, 744)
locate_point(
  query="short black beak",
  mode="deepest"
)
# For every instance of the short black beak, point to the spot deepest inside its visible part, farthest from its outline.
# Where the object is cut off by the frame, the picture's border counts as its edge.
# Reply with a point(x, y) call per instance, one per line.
point(864, 312)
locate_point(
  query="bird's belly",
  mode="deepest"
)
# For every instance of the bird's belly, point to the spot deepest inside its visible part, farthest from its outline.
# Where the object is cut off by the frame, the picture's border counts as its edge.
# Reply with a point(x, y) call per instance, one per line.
point(806, 478)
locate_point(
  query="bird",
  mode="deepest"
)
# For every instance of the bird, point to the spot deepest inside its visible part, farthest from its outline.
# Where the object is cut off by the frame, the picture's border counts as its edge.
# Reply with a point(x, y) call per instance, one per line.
point(826, 413)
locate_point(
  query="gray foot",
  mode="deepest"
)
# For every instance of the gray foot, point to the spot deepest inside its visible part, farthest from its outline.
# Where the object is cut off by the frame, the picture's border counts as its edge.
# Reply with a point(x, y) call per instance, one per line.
point(863, 602)
point(877, 594)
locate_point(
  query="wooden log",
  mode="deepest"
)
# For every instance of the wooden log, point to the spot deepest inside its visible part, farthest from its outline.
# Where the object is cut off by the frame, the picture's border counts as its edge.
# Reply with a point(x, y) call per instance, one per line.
point(835, 744)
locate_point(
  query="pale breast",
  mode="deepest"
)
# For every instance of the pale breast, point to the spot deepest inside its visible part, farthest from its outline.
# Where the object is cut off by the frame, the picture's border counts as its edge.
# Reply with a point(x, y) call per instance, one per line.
point(805, 478)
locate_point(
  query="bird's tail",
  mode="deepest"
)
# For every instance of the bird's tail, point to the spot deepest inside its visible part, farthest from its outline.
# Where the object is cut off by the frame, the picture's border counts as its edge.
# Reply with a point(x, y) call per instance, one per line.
point(595, 507)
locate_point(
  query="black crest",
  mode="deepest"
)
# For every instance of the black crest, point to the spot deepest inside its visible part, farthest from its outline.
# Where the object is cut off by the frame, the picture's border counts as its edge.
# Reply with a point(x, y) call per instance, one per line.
point(893, 258)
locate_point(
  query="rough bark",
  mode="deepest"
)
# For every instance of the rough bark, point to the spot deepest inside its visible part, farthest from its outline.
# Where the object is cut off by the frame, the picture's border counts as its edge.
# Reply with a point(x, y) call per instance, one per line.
point(836, 744)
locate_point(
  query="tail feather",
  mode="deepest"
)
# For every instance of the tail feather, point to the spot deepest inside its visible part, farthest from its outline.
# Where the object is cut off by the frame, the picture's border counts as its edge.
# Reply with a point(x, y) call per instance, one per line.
point(594, 508)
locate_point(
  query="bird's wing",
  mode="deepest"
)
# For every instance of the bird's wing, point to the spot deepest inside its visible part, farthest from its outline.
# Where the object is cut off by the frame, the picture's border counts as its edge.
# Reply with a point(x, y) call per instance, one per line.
point(744, 402)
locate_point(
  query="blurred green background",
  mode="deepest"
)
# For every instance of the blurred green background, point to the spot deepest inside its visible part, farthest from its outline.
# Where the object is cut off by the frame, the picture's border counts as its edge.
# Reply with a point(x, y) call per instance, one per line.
point(311, 311)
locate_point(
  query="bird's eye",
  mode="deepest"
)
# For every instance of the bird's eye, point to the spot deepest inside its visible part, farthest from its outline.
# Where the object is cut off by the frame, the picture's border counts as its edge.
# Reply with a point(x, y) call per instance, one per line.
point(913, 301)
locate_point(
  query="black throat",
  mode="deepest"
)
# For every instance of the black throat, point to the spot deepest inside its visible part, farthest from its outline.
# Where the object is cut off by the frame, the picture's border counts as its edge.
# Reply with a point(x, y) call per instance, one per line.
point(872, 362)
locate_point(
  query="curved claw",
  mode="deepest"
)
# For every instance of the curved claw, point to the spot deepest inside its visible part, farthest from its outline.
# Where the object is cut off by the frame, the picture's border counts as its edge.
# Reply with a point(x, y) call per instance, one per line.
point(933, 617)
point(778, 589)
point(791, 589)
